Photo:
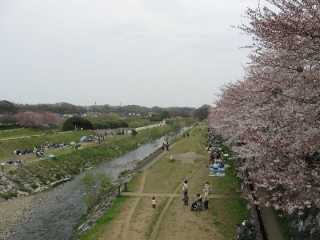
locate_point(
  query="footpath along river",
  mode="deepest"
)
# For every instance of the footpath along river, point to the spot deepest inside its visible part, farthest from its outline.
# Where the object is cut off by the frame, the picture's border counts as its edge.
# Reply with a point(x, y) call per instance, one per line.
point(54, 213)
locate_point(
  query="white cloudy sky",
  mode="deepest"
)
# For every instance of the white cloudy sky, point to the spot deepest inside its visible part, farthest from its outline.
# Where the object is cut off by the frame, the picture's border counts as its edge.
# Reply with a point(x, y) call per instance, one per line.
point(146, 52)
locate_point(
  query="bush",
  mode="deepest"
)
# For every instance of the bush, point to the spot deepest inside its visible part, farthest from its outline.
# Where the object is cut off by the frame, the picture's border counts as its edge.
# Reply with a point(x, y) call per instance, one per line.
point(76, 123)
point(8, 195)
point(95, 186)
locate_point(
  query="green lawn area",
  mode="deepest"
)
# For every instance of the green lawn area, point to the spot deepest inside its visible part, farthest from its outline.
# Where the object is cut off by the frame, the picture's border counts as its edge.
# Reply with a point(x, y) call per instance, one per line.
point(19, 132)
point(166, 176)
point(30, 141)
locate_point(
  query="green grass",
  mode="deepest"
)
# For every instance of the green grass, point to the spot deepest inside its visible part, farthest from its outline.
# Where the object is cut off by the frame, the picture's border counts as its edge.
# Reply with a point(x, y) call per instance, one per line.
point(8, 195)
point(17, 132)
point(70, 162)
point(227, 184)
point(226, 213)
point(8, 146)
point(166, 176)
point(283, 225)
point(137, 122)
point(133, 184)
point(108, 216)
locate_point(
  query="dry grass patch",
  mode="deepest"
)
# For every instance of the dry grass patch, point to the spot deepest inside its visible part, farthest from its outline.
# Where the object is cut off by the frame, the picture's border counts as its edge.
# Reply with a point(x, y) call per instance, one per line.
point(145, 217)
point(181, 223)
point(165, 175)
point(171, 219)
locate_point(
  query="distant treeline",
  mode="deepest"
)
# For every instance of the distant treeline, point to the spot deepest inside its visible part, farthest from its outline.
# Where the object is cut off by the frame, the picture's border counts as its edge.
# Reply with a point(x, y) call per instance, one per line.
point(7, 108)
point(9, 126)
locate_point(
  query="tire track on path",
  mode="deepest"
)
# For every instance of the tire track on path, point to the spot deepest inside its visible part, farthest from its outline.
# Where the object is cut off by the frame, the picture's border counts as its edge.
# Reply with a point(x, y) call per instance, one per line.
point(157, 225)
point(135, 201)
point(174, 195)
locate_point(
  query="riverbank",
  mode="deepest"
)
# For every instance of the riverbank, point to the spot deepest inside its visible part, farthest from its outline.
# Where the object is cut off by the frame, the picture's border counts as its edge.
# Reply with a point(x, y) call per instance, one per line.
point(135, 219)
point(41, 175)
point(11, 212)
point(52, 214)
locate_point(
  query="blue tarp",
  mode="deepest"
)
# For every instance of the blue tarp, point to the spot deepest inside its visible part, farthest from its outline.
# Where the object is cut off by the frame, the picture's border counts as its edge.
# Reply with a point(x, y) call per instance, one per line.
point(217, 169)
point(83, 138)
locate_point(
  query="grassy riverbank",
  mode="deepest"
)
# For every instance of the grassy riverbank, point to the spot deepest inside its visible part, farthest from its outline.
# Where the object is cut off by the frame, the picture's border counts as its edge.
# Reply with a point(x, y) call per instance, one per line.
point(68, 162)
point(133, 216)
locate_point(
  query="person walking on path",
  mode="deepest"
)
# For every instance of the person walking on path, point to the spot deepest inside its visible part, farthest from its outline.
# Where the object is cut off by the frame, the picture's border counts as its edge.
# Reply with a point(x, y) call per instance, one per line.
point(185, 192)
point(154, 202)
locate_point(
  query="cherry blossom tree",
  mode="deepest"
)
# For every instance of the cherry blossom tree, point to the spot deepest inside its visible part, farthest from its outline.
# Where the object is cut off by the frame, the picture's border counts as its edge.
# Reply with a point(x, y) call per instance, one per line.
point(271, 118)
point(37, 119)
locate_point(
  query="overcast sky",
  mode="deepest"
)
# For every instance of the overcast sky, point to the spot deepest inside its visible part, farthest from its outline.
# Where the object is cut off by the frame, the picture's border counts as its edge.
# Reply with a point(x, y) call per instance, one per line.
point(146, 52)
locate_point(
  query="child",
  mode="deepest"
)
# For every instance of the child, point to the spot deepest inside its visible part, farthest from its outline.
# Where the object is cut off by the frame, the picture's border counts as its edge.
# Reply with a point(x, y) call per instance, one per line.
point(153, 201)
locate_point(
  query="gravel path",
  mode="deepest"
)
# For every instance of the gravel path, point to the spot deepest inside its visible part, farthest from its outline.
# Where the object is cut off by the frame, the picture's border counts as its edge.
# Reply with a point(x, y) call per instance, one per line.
point(12, 212)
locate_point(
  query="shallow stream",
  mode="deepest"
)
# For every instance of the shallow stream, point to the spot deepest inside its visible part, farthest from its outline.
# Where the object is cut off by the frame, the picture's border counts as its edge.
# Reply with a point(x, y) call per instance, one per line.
point(56, 211)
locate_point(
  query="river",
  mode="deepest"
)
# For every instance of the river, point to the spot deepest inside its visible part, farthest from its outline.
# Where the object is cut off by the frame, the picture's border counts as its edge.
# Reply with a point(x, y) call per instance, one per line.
point(56, 211)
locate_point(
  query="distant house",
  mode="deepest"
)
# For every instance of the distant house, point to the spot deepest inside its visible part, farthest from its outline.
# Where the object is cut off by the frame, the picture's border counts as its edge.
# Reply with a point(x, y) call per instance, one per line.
point(67, 115)
point(93, 114)
point(134, 114)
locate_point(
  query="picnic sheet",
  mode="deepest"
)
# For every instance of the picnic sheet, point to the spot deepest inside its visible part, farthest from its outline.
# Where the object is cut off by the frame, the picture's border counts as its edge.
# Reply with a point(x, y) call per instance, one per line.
point(218, 169)
point(216, 174)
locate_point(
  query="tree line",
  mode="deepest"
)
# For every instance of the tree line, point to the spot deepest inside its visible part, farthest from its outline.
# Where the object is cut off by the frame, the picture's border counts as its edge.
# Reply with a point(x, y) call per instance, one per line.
point(271, 117)
point(93, 117)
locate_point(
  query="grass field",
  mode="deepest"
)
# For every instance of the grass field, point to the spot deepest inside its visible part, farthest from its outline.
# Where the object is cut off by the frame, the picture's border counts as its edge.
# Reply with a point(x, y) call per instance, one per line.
point(133, 216)
point(21, 132)
point(29, 141)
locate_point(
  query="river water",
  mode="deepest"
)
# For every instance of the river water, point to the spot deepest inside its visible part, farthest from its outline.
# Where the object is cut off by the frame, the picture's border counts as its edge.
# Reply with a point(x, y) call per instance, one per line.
point(56, 211)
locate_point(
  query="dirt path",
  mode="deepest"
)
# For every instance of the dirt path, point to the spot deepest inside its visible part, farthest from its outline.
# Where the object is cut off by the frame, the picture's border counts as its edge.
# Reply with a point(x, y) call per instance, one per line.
point(174, 195)
point(161, 217)
point(129, 224)
point(270, 224)
point(171, 219)
point(135, 202)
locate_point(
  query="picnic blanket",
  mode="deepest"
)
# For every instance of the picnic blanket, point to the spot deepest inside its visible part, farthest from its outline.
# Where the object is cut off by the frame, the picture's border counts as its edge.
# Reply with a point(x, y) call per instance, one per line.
point(218, 169)
point(216, 174)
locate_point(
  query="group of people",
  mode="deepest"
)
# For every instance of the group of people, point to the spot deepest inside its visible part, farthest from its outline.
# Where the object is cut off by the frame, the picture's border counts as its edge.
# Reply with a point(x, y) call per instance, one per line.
point(212, 142)
point(199, 199)
point(165, 146)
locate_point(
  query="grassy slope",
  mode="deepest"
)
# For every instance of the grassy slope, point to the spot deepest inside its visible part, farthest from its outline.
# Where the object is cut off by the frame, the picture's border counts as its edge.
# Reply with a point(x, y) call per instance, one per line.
point(29, 142)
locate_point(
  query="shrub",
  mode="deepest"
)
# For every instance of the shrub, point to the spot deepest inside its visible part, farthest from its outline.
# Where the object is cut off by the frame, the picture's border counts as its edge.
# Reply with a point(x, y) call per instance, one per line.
point(8, 195)
point(95, 186)
point(76, 123)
